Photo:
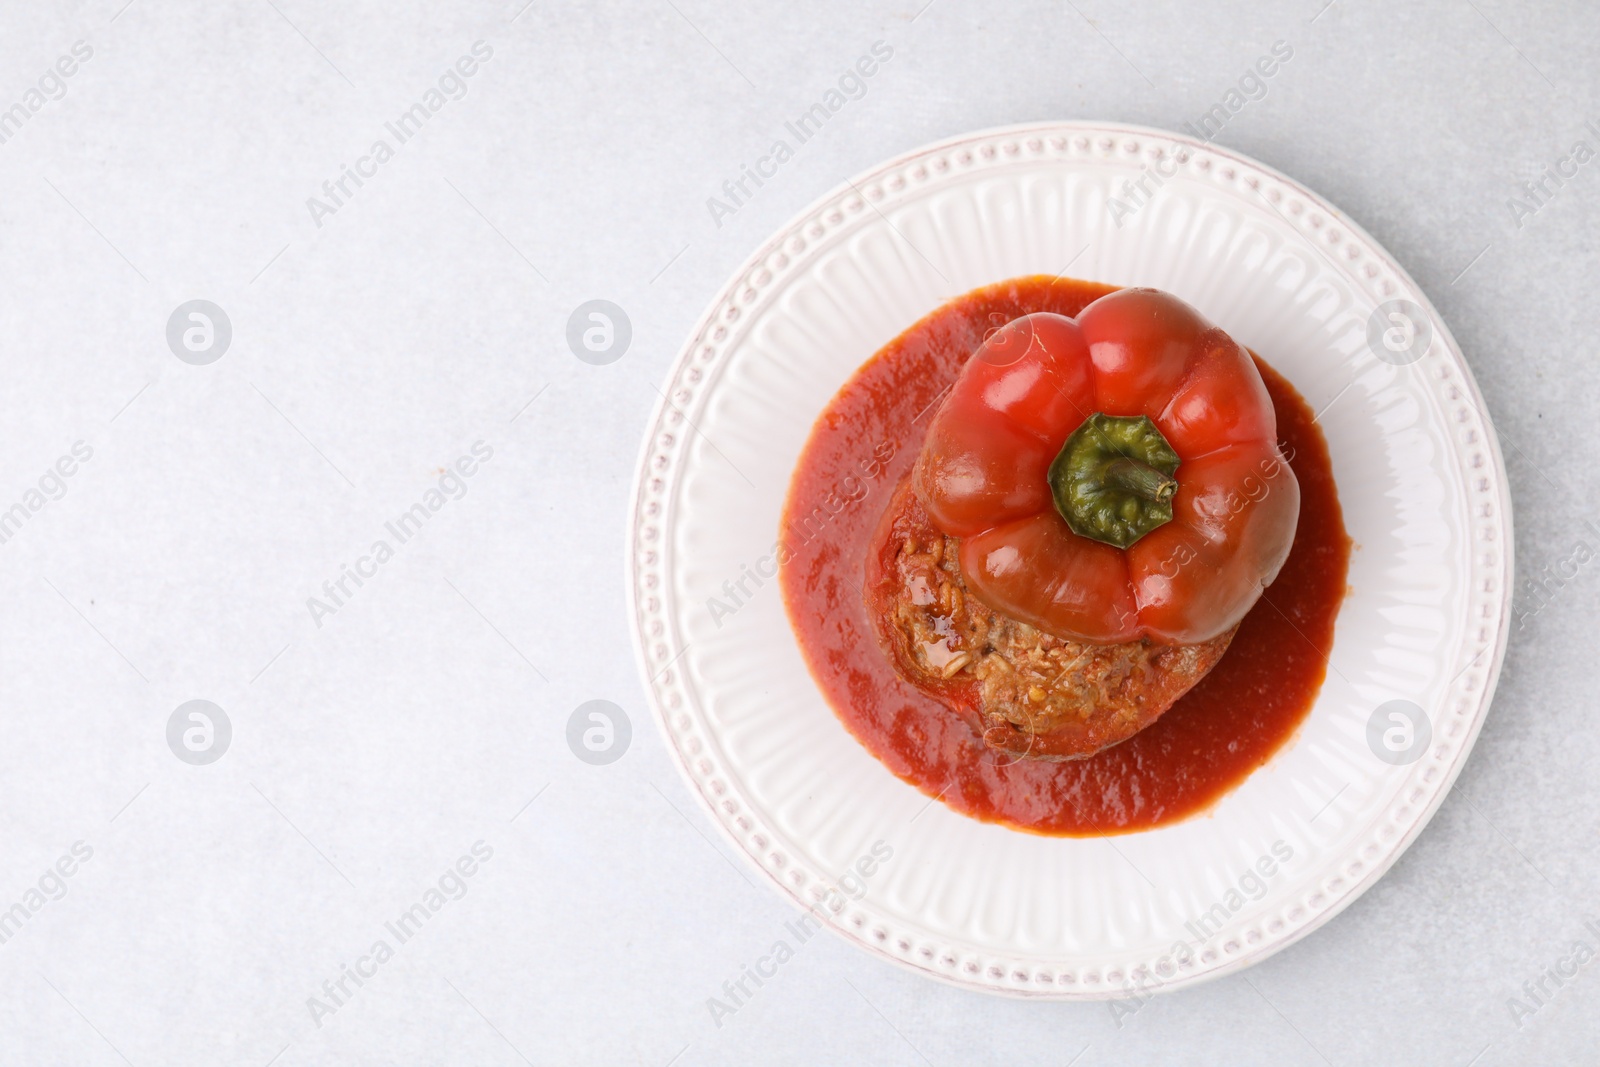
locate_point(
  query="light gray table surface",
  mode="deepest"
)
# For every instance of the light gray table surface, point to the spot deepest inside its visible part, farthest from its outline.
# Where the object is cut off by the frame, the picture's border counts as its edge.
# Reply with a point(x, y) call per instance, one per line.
point(377, 338)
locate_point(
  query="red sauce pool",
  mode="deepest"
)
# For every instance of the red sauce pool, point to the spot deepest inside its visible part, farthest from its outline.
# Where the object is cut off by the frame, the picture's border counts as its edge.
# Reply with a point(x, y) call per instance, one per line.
point(1222, 730)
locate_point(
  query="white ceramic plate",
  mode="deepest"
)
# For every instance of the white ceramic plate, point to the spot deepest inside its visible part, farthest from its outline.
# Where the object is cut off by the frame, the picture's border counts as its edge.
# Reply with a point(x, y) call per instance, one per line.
point(1420, 480)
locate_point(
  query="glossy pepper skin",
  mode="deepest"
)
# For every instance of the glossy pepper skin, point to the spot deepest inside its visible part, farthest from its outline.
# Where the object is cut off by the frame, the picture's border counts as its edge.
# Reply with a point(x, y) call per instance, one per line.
point(984, 473)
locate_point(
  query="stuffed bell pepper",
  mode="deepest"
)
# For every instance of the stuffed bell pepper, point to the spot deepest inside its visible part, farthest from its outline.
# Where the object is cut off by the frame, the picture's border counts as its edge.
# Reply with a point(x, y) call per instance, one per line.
point(1098, 503)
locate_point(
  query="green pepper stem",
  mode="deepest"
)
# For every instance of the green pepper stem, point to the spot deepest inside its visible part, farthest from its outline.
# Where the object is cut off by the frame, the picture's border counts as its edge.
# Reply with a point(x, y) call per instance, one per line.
point(1139, 478)
point(1114, 479)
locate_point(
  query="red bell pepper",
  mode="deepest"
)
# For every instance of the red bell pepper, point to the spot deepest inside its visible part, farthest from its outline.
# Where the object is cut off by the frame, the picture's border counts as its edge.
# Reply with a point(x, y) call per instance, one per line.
point(1113, 477)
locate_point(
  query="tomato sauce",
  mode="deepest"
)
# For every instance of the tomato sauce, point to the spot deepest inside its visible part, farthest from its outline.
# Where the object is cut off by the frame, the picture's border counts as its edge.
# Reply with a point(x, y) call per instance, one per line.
point(1213, 738)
